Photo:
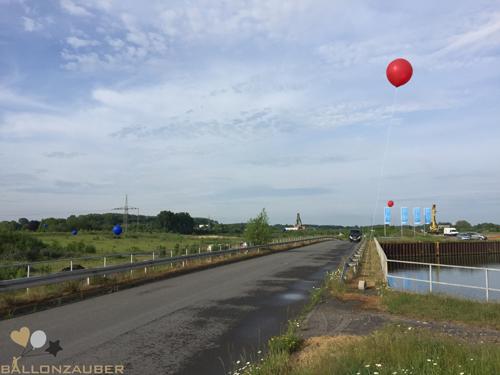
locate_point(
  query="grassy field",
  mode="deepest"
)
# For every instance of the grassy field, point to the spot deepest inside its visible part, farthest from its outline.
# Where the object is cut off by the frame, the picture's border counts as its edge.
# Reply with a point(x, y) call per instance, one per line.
point(438, 307)
point(106, 243)
point(398, 350)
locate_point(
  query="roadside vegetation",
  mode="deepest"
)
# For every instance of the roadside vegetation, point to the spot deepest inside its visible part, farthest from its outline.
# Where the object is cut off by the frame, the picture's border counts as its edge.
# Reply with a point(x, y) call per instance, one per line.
point(398, 350)
point(394, 349)
point(258, 231)
point(36, 298)
point(442, 308)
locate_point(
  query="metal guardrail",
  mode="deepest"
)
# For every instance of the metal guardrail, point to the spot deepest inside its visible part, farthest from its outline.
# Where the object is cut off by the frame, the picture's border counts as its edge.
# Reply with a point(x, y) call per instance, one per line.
point(354, 259)
point(27, 282)
point(384, 263)
point(383, 258)
point(432, 282)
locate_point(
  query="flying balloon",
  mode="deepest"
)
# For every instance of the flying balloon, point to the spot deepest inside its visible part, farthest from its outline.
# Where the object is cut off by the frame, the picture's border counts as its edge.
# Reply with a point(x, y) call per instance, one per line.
point(390, 203)
point(117, 229)
point(399, 72)
point(74, 232)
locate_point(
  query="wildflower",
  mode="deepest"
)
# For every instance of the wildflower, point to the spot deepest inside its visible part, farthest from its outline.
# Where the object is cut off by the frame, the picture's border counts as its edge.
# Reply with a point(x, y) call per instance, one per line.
point(428, 360)
point(367, 366)
point(238, 362)
point(248, 363)
point(435, 364)
point(260, 351)
point(375, 372)
point(378, 364)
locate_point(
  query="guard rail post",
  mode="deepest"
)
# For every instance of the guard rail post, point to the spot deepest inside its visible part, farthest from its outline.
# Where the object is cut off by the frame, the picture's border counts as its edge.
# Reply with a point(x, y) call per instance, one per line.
point(486, 285)
point(131, 261)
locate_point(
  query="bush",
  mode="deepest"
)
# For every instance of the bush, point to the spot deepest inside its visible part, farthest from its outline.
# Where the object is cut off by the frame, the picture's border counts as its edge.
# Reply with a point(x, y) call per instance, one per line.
point(258, 231)
point(12, 273)
point(80, 247)
point(289, 342)
point(20, 246)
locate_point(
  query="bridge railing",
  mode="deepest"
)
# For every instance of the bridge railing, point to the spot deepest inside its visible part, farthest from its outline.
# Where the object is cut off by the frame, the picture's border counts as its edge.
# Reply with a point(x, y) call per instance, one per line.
point(131, 264)
point(352, 262)
point(489, 275)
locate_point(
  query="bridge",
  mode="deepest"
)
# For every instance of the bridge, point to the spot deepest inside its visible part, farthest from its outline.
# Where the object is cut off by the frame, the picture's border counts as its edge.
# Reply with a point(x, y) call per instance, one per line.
point(195, 323)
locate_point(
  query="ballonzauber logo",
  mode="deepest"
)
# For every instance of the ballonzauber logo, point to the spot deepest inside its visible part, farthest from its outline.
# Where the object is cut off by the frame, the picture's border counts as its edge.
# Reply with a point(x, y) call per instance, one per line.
point(37, 341)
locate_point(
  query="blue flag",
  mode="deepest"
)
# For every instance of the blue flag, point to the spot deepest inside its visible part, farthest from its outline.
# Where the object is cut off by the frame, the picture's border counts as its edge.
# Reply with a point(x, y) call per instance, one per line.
point(427, 214)
point(387, 215)
point(417, 216)
point(404, 215)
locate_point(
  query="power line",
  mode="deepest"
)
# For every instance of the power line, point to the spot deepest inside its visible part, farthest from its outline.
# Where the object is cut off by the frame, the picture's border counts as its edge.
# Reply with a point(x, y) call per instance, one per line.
point(125, 209)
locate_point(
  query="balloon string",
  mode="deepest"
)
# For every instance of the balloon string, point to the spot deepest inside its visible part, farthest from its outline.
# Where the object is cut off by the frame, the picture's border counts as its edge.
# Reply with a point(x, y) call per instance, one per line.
point(384, 157)
point(24, 353)
point(36, 354)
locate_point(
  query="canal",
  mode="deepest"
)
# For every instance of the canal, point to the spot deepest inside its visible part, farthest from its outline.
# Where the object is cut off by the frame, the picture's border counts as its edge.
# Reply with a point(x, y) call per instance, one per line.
point(416, 277)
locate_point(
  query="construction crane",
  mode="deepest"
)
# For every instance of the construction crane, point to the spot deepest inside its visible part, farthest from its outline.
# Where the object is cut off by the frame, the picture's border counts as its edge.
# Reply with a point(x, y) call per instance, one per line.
point(298, 224)
point(434, 228)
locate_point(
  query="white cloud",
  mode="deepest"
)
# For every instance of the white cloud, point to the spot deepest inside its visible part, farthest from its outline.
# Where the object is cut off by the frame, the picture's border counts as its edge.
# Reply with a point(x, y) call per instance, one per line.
point(72, 8)
point(31, 24)
point(482, 35)
point(115, 43)
point(236, 93)
point(76, 42)
point(12, 99)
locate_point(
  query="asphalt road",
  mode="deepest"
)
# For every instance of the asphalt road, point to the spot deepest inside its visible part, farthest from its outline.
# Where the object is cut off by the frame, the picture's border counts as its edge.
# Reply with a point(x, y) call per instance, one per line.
point(199, 323)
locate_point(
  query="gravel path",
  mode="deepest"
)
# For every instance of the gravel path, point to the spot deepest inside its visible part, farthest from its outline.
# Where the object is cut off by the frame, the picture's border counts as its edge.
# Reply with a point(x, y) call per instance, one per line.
point(334, 317)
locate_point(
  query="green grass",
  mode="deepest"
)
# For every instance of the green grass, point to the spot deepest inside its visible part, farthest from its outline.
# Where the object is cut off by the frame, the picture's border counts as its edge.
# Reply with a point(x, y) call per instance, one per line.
point(439, 307)
point(106, 243)
point(277, 358)
point(391, 350)
point(398, 350)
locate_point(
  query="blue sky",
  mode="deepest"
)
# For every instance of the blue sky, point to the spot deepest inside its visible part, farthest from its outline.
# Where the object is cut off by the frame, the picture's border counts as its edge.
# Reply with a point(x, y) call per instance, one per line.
point(223, 108)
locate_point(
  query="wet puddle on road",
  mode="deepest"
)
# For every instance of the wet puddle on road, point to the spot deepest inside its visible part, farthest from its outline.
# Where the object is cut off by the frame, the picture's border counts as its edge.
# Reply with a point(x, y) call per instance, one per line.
point(292, 296)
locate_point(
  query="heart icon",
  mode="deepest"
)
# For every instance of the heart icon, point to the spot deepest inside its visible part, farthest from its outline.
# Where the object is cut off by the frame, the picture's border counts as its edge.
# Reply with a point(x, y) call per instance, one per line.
point(21, 337)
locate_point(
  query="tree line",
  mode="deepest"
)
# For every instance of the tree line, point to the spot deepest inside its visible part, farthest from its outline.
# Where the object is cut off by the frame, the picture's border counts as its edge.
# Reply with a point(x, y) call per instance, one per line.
point(167, 221)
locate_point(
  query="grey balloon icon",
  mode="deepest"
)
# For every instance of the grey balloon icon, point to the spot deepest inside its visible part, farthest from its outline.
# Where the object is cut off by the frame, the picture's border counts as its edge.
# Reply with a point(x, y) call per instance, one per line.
point(38, 339)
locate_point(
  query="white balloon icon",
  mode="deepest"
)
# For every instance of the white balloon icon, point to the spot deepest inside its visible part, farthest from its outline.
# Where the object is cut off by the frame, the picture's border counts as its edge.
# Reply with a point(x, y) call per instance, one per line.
point(38, 339)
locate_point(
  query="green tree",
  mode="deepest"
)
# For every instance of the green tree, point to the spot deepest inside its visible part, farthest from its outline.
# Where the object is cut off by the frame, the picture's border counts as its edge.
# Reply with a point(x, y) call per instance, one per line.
point(166, 220)
point(183, 223)
point(463, 225)
point(258, 230)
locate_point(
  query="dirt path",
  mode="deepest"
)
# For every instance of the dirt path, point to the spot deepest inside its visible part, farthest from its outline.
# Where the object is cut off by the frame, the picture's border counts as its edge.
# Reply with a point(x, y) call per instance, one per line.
point(335, 317)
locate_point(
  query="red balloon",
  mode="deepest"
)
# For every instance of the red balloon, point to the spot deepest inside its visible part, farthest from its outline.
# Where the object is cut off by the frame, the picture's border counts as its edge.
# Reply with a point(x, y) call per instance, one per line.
point(390, 203)
point(399, 72)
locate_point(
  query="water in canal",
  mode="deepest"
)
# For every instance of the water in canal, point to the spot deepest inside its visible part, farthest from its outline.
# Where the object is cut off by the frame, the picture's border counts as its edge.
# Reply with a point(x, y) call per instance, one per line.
point(442, 274)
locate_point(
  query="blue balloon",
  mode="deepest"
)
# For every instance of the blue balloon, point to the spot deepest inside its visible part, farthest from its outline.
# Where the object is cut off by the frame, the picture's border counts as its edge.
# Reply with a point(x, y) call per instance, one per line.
point(117, 229)
point(74, 232)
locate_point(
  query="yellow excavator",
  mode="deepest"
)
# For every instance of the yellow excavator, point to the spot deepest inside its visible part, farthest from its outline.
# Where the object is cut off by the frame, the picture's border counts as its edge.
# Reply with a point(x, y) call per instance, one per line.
point(434, 228)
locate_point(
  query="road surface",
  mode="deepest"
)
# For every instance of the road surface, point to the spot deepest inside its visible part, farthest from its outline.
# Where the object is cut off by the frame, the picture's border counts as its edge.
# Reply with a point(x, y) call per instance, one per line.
point(199, 323)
